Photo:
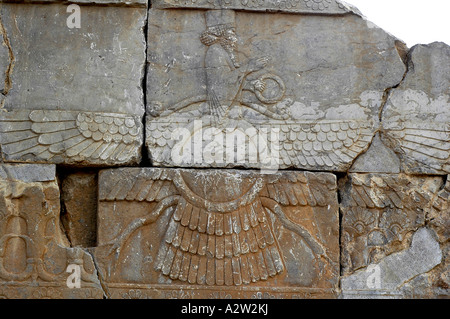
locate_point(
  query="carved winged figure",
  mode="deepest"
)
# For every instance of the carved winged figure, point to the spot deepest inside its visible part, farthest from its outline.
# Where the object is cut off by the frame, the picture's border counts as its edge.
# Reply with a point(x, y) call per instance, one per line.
point(220, 230)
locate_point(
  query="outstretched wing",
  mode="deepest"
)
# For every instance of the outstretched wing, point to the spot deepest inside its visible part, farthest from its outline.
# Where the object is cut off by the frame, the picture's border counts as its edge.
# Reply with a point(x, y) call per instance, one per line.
point(70, 137)
point(424, 147)
point(324, 145)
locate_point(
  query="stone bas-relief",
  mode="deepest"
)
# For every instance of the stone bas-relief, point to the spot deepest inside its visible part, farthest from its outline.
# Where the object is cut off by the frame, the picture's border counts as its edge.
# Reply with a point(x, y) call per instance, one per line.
point(243, 74)
point(268, 86)
point(68, 137)
point(416, 118)
point(389, 236)
point(72, 95)
point(34, 253)
point(291, 6)
point(233, 232)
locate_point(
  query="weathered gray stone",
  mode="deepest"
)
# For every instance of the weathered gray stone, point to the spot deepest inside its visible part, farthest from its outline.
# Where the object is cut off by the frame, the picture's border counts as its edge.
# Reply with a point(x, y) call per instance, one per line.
point(292, 6)
point(387, 276)
point(377, 159)
point(28, 173)
point(416, 119)
point(88, 110)
point(313, 83)
point(36, 261)
point(218, 233)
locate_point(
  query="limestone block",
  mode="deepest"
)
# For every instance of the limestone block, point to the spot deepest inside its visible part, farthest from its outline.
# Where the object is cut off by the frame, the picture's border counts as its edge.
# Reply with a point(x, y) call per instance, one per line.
point(79, 211)
point(217, 233)
point(75, 94)
point(36, 260)
point(236, 88)
point(416, 119)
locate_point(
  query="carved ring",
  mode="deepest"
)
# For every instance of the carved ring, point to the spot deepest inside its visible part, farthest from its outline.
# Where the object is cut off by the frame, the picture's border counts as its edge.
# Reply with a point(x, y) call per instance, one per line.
point(281, 85)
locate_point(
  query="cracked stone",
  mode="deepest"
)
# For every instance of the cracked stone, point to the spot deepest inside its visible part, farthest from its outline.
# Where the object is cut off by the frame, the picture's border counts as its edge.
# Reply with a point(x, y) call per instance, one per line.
point(314, 83)
point(89, 109)
point(416, 117)
point(386, 277)
point(217, 231)
point(79, 200)
point(379, 214)
point(35, 255)
point(377, 159)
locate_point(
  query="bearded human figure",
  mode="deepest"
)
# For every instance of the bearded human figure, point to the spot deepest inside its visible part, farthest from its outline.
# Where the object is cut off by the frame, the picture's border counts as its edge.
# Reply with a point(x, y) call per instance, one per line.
point(225, 75)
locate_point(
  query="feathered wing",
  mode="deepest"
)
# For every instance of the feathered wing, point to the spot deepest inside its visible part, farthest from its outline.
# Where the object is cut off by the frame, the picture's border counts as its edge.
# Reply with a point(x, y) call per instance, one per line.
point(324, 144)
point(424, 147)
point(300, 190)
point(317, 145)
point(70, 137)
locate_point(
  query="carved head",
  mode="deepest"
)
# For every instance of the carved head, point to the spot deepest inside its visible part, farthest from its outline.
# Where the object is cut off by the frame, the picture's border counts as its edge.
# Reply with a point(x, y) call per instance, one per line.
point(220, 29)
point(222, 34)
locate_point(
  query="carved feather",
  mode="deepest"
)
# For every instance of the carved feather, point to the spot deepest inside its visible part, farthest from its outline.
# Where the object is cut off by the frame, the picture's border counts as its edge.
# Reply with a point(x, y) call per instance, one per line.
point(323, 144)
point(67, 136)
point(424, 146)
point(231, 248)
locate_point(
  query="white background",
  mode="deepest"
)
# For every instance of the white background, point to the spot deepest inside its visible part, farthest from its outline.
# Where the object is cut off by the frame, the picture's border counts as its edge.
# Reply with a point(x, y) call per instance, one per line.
point(413, 21)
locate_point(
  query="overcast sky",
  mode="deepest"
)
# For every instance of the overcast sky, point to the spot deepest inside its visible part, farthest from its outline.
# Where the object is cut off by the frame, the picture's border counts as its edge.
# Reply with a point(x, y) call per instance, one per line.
point(413, 21)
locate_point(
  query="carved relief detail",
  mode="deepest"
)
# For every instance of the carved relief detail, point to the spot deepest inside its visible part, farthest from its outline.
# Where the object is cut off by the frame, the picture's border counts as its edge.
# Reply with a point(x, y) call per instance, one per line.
point(67, 136)
point(209, 242)
point(379, 212)
point(423, 146)
point(32, 248)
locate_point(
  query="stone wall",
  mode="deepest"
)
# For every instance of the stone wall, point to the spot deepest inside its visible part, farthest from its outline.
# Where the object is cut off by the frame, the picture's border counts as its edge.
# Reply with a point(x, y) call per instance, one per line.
point(220, 149)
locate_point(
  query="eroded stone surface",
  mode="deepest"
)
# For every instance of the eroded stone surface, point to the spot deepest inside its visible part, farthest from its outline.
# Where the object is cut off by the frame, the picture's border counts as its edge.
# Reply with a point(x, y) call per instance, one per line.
point(416, 119)
point(79, 200)
point(378, 159)
point(34, 253)
point(112, 2)
point(292, 6)
point(379, 214)
point(230, 233)
point(89, 109)
point(387, 277)
point(314, 84)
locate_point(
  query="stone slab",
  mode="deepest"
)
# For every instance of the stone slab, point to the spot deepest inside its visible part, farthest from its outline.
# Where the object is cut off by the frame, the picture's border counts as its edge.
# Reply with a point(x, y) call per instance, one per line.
point(28, 173)
point(416, 119)
point(35, 256)
point(165, 233)
point(291, 91)
point(89, 109)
